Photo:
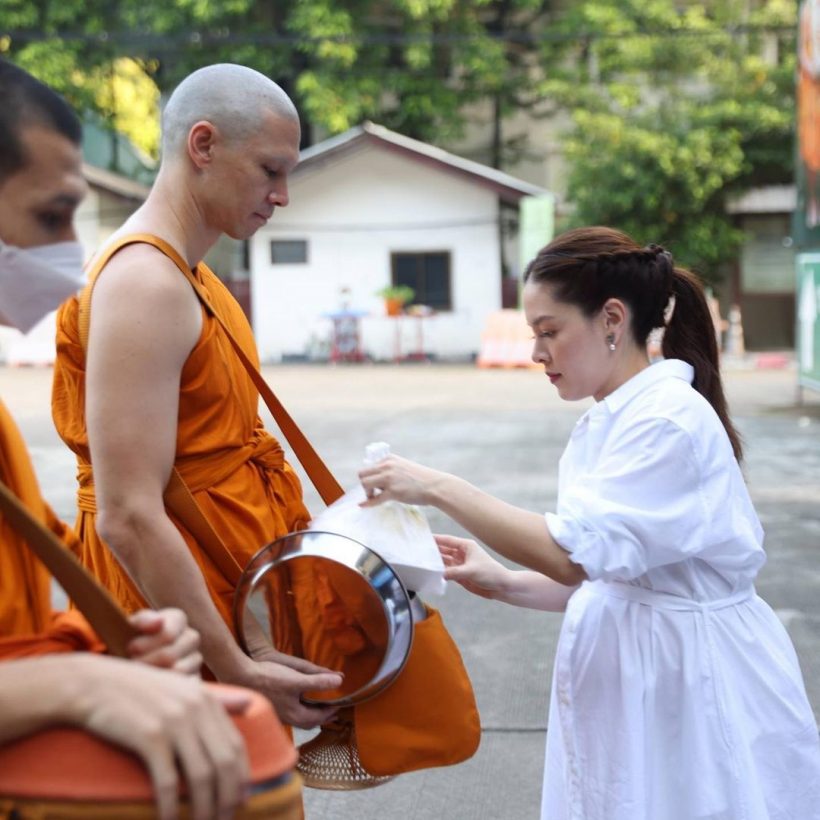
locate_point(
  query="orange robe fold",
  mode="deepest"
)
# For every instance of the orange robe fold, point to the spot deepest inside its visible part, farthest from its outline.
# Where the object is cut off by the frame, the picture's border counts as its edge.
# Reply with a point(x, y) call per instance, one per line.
point(235, 469)
point(27, 624)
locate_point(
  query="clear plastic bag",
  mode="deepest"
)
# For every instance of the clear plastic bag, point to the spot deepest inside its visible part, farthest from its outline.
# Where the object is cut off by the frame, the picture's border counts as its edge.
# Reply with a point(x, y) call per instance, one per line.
point(398, 532)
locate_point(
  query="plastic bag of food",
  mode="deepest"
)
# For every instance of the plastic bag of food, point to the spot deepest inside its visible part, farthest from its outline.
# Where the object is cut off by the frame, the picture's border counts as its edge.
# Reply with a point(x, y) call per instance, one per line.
point(398, 532)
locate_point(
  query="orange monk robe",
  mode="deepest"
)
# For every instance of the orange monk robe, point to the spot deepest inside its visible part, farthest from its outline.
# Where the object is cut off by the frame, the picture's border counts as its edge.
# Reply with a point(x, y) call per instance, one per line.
point(27, 624)
point(238, 475)
point(234, 468)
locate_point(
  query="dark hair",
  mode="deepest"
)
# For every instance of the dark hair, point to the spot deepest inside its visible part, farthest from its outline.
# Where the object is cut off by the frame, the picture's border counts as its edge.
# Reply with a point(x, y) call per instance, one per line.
point(26, 101)
point(587, 266)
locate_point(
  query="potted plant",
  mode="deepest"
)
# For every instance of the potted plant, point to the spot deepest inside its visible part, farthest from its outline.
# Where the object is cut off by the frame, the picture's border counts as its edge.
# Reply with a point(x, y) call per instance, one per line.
point(395, 297)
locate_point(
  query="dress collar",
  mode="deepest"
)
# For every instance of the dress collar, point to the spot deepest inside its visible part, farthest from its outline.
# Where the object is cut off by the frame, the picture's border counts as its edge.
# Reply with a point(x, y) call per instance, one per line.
point(664, 369)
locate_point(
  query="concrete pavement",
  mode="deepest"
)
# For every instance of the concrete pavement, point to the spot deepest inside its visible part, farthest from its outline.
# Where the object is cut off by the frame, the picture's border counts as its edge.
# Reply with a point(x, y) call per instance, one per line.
point(504, 431)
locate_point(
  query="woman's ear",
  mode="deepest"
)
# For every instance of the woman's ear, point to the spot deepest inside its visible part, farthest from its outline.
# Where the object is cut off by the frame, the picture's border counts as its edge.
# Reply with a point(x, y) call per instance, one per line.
point(616, 318)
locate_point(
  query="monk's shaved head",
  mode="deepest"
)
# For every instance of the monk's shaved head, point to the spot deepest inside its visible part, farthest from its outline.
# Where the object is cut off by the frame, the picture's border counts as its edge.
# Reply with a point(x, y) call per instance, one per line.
point(231, 97)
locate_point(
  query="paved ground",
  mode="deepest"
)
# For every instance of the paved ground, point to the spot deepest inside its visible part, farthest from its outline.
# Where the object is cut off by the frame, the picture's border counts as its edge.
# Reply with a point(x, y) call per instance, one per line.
point(504, 430)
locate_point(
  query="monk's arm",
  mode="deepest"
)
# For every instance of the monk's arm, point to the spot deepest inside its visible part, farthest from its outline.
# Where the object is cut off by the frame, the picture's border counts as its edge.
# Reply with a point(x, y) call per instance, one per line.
point(159, 716)
point(144, 322)
point(145, 319)
point(34, 693)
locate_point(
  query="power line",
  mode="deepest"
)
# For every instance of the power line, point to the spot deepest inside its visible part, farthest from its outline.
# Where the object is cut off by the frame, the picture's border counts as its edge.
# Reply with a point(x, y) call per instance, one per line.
point(349, 227)
point(368, 227)
point(225, 37)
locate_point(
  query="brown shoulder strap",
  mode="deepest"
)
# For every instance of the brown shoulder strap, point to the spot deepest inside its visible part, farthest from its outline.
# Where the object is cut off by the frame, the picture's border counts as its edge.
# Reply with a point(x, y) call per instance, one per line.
point(178, 497)
point(328, 488)
point(180, 500)
point(326, 485)
point(99, 608)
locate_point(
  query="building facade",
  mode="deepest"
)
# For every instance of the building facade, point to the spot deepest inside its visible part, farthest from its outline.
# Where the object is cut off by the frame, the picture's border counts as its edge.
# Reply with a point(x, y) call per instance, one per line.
point(370, 209)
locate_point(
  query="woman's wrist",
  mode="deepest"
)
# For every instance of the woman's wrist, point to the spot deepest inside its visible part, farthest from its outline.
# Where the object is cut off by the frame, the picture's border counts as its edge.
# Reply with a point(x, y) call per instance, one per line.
point(509, 584)
point(444, 491)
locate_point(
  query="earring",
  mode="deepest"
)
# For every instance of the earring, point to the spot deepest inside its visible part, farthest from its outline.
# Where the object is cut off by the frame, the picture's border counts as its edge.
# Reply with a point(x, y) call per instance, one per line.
point(611, 341)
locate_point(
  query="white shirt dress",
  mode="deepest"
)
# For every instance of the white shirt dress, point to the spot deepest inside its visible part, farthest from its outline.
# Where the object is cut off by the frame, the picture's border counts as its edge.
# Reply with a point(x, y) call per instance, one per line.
point(677, 694)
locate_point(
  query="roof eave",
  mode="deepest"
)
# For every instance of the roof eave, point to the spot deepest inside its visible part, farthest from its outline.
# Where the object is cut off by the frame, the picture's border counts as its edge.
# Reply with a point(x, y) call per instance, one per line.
point(115, 183)
point(508, 188)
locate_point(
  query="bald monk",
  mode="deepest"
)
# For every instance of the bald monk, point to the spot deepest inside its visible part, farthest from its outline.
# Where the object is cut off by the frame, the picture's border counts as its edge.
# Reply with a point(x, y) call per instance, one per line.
point(157, 385)
point(50, 669)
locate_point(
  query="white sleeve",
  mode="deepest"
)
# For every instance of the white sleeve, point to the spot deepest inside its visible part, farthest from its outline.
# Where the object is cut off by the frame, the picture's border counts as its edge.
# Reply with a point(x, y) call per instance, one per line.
point(641, 507)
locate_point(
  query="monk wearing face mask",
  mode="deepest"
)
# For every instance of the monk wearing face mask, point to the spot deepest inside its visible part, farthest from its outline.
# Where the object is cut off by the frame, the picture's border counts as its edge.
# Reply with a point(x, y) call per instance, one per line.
point(51, 273)
point(52, 670)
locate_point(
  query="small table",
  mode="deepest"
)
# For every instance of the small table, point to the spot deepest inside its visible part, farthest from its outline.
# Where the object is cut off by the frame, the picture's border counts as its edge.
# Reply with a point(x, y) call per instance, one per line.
point(419, 313)
point(346, 344)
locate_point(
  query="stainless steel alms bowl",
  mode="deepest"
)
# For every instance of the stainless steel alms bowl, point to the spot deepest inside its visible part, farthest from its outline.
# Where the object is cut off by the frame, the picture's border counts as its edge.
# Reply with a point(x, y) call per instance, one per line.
point(353, 613)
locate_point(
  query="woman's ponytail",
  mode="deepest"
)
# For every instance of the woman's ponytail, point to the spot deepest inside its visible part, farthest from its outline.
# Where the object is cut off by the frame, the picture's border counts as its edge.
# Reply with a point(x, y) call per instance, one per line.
point(690, 336)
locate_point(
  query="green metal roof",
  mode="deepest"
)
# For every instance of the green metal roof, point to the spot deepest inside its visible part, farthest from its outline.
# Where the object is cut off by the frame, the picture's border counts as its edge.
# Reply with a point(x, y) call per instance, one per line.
point(111, 151)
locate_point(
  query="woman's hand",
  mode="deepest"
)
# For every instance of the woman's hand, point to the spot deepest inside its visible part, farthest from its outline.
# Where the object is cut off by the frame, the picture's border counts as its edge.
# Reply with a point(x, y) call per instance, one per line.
point(165, 640)
point(468, 564)
point(397, 479)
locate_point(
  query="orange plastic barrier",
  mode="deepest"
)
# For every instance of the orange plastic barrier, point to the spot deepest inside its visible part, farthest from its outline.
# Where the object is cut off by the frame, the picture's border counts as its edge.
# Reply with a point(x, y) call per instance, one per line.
point(506, 341)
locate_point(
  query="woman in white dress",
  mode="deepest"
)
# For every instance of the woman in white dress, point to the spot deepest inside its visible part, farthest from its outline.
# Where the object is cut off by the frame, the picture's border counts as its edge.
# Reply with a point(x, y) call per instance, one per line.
point(677, 694)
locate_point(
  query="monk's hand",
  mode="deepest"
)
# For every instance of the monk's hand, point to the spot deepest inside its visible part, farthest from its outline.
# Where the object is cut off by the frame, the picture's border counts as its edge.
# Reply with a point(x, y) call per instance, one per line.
point(284, 685)
point(167, 719)
point(397, 479)
point(468, 564)
point(268, 653)
point(165, 640)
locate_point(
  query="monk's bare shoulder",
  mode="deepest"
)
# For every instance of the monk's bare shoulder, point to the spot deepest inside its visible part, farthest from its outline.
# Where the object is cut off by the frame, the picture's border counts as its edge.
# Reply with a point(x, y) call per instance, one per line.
point(143, 301)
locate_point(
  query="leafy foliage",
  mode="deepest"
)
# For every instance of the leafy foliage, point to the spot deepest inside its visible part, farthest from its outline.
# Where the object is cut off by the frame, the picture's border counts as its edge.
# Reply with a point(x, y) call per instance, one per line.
point(672, 105)
point(411, 64)
point(665, 129)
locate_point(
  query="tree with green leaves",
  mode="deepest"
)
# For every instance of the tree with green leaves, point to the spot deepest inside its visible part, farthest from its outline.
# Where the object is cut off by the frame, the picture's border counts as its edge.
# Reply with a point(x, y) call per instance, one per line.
point(674, 111)
point(674, 106)
point(413, 65)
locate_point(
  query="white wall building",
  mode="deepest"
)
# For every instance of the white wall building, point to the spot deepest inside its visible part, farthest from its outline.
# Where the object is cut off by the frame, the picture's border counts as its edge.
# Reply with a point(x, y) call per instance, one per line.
point(369, 208)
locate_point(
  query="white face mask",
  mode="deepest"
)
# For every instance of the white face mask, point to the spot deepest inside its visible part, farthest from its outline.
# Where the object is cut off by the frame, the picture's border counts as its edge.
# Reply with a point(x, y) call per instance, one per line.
point(35, 281)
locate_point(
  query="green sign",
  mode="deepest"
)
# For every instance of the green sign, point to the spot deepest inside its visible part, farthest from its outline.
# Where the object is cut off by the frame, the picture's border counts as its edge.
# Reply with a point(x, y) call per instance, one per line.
point(536, 226)
point(808, 320)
